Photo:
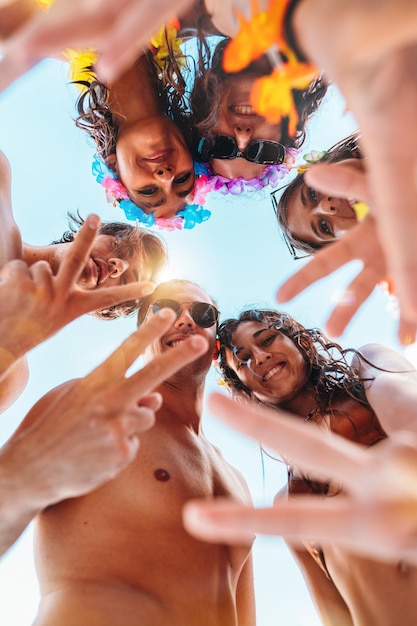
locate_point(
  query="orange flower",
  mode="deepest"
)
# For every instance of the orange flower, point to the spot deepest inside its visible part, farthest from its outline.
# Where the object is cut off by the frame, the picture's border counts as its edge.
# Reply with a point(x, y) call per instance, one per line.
point(272, 96)
point(255, 36)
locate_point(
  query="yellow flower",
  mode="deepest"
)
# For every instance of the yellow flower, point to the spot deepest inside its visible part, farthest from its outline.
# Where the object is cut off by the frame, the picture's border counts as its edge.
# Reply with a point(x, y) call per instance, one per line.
point(161, 43)
point(79, 62)
point(45, 4)
point(272, 96)
point(361, 210)
point(255, 36)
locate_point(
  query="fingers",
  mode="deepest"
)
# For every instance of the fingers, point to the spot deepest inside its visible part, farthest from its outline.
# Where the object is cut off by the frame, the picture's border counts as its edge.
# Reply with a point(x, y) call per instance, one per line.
point(406, 331)
point(86, 301)
point(164, 366)
point(342, 179)
point(153, 401)
point(15, 270)
point(324, 263)
point(306, 518)
point(75, 260)
point(307, 446)
point(221, 520)
point(350, 302)
point(131, 32)
point(115, 367)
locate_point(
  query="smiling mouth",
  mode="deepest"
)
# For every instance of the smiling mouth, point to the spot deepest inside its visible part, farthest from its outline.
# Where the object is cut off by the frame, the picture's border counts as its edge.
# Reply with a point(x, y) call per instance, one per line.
point(273, 372)
point(243, 109)
point(177, 341)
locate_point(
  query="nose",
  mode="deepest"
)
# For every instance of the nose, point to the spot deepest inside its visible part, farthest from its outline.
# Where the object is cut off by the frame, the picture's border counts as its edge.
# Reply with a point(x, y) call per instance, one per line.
point(260, 356)
point(328, 205)
point(117, 267)
point(243, 134)
point(164, 172)
point(184, 320)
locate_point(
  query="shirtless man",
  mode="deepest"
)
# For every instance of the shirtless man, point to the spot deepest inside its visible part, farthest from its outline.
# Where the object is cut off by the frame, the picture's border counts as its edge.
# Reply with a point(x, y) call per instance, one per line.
point(120, 555)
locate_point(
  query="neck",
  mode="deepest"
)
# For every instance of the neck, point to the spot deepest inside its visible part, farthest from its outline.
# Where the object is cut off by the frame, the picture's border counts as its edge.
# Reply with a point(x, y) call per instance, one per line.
point(301, 405)
point(183, 401)
point(132, 96)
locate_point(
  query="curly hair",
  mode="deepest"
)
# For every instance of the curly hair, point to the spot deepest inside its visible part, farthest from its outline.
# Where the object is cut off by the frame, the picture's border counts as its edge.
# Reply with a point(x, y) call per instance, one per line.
point(207, 93)
point(347, 148)
point(329, 373)
point(94, 106)
point(130, 241)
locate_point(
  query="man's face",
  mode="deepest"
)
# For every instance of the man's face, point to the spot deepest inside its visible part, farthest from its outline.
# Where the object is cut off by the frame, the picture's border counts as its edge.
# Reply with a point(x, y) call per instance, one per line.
point(108, 264)
point(185, 326)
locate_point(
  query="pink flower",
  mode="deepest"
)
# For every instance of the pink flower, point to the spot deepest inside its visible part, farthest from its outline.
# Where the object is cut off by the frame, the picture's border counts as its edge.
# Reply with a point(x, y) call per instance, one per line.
point(115, 187)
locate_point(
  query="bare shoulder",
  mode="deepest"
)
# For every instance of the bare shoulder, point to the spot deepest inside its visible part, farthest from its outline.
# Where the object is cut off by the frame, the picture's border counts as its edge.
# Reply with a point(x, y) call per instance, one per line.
point(377, 356)
point(231, 472)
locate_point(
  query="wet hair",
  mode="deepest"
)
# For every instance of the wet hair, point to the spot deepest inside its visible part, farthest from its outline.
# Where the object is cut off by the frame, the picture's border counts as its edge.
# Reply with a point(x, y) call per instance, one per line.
point(329, 373)
point(207, 92)
point(347, 148)
point(129, 241)
point(94, 106)
point(179, 283)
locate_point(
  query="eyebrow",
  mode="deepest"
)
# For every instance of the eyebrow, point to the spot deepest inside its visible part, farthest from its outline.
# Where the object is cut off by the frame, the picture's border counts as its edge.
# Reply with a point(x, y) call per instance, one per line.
point(183, 194)
point(153, 205)
point(255, 336)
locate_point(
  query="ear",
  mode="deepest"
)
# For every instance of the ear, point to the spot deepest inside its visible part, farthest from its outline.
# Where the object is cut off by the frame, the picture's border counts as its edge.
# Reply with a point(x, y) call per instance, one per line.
point(111, 162)
point(216, 351)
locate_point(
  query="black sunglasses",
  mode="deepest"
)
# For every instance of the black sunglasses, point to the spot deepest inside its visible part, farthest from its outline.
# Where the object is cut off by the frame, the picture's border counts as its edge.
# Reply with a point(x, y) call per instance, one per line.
point(257, 151)
point(202, 313)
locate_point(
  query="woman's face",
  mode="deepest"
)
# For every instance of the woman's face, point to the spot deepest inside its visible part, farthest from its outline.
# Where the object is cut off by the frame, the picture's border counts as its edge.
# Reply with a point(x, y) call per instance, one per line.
point(318, 218)
point(154, 164)
point(238, 120)
point(269, 364)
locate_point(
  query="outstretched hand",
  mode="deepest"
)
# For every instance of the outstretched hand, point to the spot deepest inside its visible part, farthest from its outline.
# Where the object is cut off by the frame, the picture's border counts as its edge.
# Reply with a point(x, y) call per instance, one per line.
point(35, 304)
point(376, 517)
point(86, 431)
point(378, 80)
point(360, 242)
point(119, 30)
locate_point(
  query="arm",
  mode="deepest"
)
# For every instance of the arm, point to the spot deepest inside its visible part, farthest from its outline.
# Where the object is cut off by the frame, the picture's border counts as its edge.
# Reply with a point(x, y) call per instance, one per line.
point(329, 603)
point(392, 393)
point(10, 238)
point(85, 432)
point(378, 82)
point(377, 517)
point(245, 595)
point(119, 30)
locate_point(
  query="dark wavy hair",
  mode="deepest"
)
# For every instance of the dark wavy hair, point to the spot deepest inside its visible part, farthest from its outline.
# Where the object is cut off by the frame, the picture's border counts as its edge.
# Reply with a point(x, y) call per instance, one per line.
point(330, 374)
point(130, 241)
point(347, 148)
point(94, 106)
point(207, 91)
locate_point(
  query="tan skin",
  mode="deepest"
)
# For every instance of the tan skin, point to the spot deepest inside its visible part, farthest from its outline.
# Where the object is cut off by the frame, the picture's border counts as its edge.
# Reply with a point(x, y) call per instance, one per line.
point(126, 558)
point(104, 267)
point(238, 119)
point(151, 159)
point(360, 591)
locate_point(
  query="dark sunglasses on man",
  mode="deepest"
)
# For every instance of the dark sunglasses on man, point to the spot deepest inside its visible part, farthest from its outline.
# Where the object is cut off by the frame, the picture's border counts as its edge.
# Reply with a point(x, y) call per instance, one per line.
point(202, 313)
point(262, 151)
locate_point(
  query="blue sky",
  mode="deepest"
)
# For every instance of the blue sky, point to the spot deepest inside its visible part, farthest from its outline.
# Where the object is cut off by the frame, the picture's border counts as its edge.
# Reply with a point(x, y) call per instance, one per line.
point(238, 256)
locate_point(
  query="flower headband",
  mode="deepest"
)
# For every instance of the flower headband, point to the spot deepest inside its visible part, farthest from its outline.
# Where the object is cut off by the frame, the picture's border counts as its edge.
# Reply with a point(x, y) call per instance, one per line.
point(116, 192)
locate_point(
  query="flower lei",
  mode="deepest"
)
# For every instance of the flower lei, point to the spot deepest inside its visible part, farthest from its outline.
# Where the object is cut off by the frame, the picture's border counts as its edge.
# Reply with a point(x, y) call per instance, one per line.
point(272, 175)
point(116, 192)
point(271, 96)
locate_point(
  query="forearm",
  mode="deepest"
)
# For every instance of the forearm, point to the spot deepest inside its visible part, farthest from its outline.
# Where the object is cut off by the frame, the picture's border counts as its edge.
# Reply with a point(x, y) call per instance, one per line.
point(367, 29)
point(17, 505)
point(14, 14)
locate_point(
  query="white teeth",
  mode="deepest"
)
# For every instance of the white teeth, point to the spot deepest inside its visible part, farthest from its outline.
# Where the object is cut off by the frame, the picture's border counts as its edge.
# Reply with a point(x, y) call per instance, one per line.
point(243, 109)
point(176, 343)
point(272, 372)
